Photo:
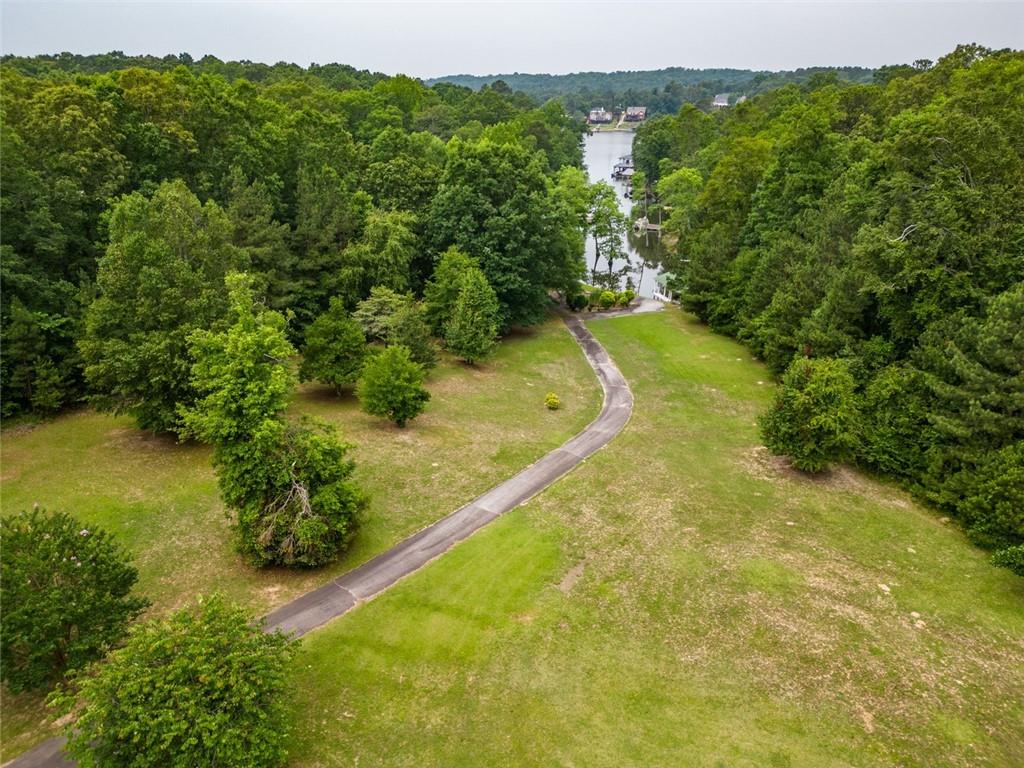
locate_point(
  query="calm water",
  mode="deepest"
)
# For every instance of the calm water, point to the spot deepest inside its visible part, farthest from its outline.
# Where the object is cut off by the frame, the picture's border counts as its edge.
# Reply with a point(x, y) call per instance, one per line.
point(600, 153)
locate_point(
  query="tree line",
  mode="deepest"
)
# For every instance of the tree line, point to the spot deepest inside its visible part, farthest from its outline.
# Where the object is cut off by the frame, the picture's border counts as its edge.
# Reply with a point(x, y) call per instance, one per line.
point(867, 243)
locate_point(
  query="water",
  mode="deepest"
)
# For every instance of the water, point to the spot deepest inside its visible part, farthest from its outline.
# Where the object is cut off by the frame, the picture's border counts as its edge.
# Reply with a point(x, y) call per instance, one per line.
point(601, 151)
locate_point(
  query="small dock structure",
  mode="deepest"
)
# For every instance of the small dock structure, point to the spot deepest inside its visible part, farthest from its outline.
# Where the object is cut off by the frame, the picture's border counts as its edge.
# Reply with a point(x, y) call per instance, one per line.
point(623, 169)
point(643, 224)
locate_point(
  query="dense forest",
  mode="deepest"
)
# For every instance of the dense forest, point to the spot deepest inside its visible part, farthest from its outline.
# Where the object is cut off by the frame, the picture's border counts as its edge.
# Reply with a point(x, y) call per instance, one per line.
point(867, 242)
point(132, 186)
point(662, 91)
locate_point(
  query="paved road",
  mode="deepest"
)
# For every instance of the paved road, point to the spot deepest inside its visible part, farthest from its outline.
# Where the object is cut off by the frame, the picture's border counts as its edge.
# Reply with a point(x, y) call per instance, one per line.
point(339, 596)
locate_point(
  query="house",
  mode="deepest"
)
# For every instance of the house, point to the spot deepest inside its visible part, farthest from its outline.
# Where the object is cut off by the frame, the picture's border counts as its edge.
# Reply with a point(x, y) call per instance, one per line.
point(636, 114)
point(720, 101)
point(599, 115)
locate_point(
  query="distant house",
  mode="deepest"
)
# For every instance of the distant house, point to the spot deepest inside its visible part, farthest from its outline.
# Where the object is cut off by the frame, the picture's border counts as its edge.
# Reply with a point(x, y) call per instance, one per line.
point(720, 101)
point(741, 99)
point(599, 116)
point(636, 114)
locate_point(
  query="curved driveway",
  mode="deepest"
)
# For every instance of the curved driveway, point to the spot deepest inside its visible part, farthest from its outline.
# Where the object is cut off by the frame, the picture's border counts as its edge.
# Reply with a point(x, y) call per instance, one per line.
point(315, 608)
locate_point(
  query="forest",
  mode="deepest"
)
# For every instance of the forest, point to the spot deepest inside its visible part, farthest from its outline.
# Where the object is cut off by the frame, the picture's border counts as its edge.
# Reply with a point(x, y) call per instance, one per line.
point(662, 91)
point(867, 242)
point(133, 185)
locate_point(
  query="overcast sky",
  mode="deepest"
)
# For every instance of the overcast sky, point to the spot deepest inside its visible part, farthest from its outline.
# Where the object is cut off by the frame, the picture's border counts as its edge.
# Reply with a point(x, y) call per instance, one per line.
point(428, 39)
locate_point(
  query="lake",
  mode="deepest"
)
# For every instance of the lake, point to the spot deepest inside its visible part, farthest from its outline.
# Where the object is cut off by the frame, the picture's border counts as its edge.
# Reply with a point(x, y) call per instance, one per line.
point(601, 151)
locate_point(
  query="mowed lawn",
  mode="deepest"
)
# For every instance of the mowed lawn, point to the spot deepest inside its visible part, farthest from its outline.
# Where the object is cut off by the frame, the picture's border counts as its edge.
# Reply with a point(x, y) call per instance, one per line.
point(160, 497)
point(682, 599)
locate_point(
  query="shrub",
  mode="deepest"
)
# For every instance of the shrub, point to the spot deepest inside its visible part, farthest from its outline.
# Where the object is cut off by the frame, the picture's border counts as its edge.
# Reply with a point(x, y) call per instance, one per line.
point(577, 302)
point(65, 589)
point(814, 418)
point(552, 402)
point(594, 297)
point(392, 386)
point(203, 687)
point(1012, 558)
point(335, 348)
point(625, 298)
point(607, 300)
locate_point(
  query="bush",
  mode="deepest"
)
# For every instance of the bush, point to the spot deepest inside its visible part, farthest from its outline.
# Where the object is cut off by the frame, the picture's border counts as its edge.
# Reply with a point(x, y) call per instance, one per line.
point(65, 589)
point(392, 386)
point(814, 419)
point(577, 302)
point(625, 298)
point(203, 687)
point(594, 297)
point(1012, 558)
point(552, 402)
point(607, 300)
point(335, 348)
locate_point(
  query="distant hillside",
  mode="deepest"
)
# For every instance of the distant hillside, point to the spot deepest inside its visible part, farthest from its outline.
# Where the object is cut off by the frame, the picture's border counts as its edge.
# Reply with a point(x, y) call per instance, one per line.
point(662, 90)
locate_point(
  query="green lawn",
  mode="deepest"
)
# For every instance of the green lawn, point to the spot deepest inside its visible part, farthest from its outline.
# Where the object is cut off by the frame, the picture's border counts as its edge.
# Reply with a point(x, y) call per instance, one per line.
point(160, 497)
point(682, 598)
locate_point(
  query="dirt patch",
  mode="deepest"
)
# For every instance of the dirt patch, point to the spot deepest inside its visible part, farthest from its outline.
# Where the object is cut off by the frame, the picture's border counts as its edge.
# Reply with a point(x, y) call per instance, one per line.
point(571, 577)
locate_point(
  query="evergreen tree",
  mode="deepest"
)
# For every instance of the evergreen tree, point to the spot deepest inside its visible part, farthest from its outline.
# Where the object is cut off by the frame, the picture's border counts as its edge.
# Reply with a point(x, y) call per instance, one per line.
point(335, 348)
point(472, 332)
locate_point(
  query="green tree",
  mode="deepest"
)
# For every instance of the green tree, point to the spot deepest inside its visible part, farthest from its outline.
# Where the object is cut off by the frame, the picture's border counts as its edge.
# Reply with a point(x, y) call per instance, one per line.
point(471, 333)
point(161, 278)
point(495, 202)
point(290, 484)
point(205, 686)
point(409, 329)
point(442, 290)
point(814, 419)
point(335, 348)
point(392, 386)
point(66, 591)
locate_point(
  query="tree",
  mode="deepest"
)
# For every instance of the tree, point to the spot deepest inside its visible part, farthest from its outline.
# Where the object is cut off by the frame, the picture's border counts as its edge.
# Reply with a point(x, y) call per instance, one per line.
point(392, 386)
point(376, 313)
point(814, 418)
point(607, 225)
point(335, 348)
point(409, 329)
point(289, 483)
point(494, 201)
point(202, 687)
point(471, 333)
point(66, 591)
point(442, 290)
point(161, 277)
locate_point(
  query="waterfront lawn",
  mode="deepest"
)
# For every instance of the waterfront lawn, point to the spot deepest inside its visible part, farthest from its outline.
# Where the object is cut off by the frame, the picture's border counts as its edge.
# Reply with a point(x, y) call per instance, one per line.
point(682, 598)
point(160, 498)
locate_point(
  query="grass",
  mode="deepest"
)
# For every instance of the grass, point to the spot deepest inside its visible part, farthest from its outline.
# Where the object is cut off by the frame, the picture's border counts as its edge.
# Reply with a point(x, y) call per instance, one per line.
point(482, 425)
point(683, 598)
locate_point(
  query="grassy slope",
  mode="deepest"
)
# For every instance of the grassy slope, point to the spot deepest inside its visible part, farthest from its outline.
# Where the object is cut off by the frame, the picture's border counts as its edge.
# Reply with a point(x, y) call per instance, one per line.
point(481, 426)
point(682, 599)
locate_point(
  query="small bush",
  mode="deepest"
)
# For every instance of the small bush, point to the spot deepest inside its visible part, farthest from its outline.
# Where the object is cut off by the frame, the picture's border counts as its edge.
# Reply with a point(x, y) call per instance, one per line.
point(203, 687)
point(577, 302)
point(815, 418)
point(1012, 558)
point(625, 298)
point(594, 297)
point(552, 402)
point(65, 589)
point(607, 300)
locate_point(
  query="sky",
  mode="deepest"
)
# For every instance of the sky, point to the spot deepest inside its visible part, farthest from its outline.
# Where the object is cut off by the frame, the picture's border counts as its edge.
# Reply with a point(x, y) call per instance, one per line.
point(429, 39)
